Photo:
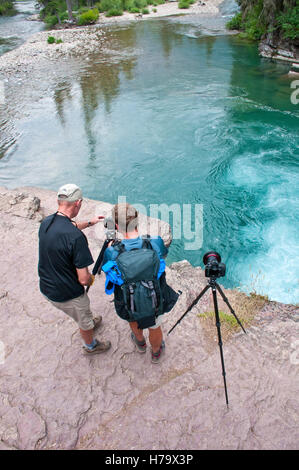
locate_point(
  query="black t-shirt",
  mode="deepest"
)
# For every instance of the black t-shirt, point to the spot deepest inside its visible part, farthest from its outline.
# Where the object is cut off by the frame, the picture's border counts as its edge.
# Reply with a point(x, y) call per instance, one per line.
point(62, 249)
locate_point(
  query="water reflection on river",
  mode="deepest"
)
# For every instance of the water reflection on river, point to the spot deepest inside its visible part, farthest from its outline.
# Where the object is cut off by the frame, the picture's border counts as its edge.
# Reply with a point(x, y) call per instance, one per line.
point(173, 115)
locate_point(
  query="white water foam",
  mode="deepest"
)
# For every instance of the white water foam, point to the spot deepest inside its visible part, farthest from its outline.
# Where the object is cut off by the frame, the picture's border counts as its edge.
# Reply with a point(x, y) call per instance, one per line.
point(274, 269)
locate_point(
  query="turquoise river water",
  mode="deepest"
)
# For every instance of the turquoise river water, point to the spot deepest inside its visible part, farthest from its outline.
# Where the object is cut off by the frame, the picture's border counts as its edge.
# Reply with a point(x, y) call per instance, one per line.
point(181, 113)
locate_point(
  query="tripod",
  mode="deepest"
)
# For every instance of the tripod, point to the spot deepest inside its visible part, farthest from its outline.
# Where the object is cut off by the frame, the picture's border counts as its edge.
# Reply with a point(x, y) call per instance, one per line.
point(214, 286)
point(109, 224)
point(98, 263)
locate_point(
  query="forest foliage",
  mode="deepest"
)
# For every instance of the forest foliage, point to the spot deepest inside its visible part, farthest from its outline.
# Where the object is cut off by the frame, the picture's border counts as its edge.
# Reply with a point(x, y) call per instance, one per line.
point(257, 18)
point(7, 7)
point(87, 11)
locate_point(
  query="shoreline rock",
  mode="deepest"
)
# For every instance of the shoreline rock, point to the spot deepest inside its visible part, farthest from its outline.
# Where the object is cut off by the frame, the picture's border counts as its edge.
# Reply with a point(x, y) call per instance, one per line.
point(37, 203)
point(279, 51)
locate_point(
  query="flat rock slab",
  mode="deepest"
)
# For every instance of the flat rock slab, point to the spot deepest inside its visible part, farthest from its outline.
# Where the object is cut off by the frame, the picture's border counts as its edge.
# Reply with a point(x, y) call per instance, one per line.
point(54, 397)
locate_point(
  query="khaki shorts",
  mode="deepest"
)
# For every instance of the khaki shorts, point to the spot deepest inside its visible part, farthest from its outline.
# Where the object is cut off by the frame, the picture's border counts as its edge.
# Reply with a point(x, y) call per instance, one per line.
point(79, 310)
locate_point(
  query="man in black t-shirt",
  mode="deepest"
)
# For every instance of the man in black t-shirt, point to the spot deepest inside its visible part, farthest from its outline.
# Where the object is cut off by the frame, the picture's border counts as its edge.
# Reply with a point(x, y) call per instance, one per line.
point(64, 258)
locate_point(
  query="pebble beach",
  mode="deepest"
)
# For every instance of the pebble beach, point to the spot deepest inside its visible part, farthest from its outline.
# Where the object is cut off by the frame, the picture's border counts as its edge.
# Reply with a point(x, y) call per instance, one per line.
point(78, 41)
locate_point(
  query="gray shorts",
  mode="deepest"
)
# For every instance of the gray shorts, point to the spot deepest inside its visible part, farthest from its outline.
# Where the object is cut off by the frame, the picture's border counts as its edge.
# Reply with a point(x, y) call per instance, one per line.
point(158, 323)
point(79, 310)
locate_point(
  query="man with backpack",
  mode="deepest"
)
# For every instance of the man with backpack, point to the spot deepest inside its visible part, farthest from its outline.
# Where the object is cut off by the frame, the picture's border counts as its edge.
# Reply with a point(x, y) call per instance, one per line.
point(134, 270)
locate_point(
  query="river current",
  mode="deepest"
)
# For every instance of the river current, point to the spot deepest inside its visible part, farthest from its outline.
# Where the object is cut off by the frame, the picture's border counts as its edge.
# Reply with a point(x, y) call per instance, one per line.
point(14, 30)
point(183, 114)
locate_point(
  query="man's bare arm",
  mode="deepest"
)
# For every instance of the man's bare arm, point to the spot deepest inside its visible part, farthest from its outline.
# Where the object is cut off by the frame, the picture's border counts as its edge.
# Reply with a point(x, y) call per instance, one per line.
point(84, 276)
point(82, 225)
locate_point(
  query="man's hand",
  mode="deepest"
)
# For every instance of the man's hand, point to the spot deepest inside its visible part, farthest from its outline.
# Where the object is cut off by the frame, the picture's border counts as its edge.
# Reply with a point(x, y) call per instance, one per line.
point(90, 223)
point(96, 219)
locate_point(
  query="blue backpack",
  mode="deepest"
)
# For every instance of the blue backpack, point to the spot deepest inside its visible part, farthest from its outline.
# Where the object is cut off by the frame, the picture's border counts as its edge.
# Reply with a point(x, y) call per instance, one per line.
point(138, 274)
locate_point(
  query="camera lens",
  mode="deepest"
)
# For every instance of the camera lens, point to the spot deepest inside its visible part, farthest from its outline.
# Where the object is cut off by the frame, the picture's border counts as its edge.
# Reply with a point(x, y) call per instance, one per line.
point(211, 256)
point(213, 266)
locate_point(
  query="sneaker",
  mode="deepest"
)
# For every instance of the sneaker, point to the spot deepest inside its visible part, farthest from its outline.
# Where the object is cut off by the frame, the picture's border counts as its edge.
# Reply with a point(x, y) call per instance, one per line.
point(157, 356)
point(100, 347)
point(141, 345)
point(97, 321)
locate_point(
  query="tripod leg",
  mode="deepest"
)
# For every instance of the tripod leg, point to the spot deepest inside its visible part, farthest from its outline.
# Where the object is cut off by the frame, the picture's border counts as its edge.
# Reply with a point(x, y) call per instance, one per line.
point(218, 324)
point(98, 263)
point(229, 306)
point(189, 308)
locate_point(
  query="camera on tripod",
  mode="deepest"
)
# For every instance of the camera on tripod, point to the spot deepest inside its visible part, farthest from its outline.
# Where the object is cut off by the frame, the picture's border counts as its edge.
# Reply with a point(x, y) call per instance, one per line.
point(213, 266)
point(213, 269)
point(110, 228)
point(110, 231)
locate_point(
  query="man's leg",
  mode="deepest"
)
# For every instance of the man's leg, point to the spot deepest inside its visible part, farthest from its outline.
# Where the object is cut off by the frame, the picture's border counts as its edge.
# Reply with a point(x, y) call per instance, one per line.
point(86, 326)
point(87, 336)
point(137, 337)
point(155, 338)
point(79, 310)
point(93, 345)
point(137, 332)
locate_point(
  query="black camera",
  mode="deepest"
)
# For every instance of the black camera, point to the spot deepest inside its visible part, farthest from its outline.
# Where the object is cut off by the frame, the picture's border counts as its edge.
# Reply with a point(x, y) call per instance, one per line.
point(110, 228)
point(213, 266)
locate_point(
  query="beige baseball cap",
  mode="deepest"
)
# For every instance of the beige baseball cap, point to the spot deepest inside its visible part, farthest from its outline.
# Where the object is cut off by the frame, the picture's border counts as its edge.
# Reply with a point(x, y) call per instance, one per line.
point(70, 193)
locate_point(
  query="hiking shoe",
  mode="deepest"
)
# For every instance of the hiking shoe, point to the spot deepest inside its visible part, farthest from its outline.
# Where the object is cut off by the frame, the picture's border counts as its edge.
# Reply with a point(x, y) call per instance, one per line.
point(100, 347)
point(97, 321)
point(157, 355)
point(141, 345)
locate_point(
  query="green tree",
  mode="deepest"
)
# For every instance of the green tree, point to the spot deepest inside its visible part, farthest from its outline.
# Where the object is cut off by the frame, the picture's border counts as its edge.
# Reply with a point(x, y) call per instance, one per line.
point(7, 7)
point(50, 12)
point(70, 9)
point(56, 8)
point(288, 21)
point(277, 19)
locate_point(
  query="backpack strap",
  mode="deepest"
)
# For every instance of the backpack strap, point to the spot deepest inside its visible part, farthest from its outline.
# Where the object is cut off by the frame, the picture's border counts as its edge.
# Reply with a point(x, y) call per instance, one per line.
point(131, 291)
point(119, 246)
point(150, 285)
point(146, 243)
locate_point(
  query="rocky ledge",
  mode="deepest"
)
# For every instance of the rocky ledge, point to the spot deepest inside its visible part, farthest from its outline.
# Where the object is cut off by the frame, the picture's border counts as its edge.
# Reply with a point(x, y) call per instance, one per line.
point(54, 397)
point(279, 50)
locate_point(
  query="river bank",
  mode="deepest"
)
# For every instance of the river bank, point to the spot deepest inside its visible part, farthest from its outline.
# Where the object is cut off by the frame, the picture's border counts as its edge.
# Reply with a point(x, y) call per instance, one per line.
point(54, 397)
point(170, 8)
point(81, 41)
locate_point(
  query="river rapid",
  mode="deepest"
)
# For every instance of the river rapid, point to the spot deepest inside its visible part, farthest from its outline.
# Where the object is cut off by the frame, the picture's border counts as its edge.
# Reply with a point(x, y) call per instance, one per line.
point(177, 112)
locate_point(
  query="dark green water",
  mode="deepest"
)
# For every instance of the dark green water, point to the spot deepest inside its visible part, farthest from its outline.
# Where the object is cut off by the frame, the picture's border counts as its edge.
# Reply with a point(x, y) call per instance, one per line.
point(180, 114)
